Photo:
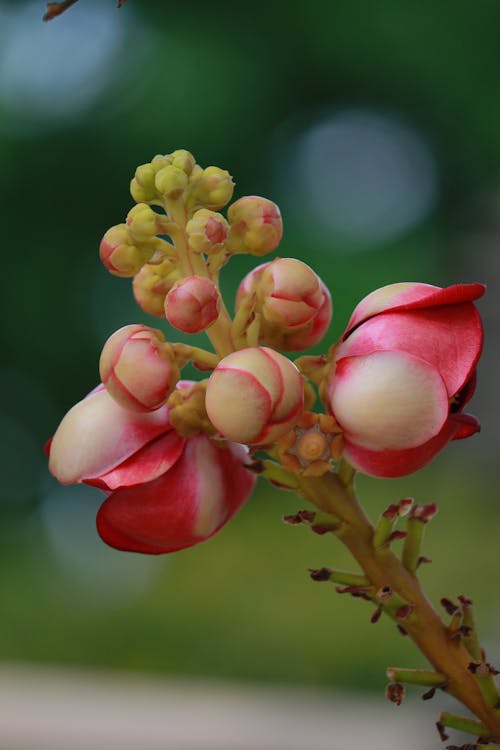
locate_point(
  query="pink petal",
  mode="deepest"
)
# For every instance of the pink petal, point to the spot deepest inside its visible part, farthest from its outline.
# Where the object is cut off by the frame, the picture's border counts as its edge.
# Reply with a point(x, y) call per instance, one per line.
point(411, 296)
point(186, 505)
point(147, 464)
point(449, 338)
point(388, 400)
point(399, 463)
point(97, 435)
point(467, 425)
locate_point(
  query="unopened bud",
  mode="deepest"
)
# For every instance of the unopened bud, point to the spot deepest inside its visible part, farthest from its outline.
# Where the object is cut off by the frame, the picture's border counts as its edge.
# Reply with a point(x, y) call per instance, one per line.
point(294, 303)
point(171, 182)
point(256, 225)
point(183, 159)
point(152, 284)
point(119, 253)
point(254, 396)
point(212, 188)
point(206, 231)
point(192, 304)
point(142, 186)
point(138, 368)
point(142, 222)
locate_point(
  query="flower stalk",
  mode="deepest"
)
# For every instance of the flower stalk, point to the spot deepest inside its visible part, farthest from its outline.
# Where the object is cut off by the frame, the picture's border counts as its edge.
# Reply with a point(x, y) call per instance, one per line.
point(449, 657)
point(177, 459)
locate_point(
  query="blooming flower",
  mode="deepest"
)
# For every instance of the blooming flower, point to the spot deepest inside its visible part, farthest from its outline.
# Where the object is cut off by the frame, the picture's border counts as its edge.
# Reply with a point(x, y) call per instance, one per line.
point(403, 373)
point(165, 492)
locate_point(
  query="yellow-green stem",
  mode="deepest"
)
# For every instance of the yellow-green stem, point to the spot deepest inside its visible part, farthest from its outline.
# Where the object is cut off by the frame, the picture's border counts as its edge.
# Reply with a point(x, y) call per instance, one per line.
point(190, 264)
point(447, 655)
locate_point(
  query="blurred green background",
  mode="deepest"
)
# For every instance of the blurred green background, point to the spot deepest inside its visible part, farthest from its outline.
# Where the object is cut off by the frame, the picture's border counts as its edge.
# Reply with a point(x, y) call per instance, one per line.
point(375, 127)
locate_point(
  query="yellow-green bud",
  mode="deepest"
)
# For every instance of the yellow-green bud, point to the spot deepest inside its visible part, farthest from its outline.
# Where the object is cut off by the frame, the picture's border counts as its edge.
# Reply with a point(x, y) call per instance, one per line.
point(152, 284)
point(171, 182)
point(213, 188)
point(256, 225)
point(160, 160)
point(206, 231)
point(142, 187)
point(142, 222)
point(119, 253)
point(184, 160)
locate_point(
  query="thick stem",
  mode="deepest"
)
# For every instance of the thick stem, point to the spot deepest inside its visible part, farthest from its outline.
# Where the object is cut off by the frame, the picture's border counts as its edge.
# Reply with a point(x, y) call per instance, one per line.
point(447, 655)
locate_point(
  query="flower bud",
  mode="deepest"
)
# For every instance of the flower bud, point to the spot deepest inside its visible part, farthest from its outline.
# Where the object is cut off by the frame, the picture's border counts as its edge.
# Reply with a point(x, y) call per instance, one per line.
point(184, 160)
point(192, 304)
point(119, 253)
point(254, 396)
point(206, 231)
point(256, 226)
point(213, 188)
point(294, 303)
point(152, 284)
point(138, 368)
point(142, 186)
point(171, 182)
point(142, 222)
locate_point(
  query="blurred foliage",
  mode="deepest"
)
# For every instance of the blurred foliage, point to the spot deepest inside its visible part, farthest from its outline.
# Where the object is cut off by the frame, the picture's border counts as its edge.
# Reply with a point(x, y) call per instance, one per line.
point(229, 82)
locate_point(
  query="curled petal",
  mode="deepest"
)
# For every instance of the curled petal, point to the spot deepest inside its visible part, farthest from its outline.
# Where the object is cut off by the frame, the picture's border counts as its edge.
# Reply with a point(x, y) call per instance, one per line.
point(184, 506)
point(388, 400)
point(147, 464)
point(97, 435)
point(399, 463)
point(467, 425)
point(449, 337)
point(411, 296)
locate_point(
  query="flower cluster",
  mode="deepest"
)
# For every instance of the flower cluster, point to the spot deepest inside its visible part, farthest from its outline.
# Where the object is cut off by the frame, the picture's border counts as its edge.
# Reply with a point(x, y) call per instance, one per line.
point(176, 459)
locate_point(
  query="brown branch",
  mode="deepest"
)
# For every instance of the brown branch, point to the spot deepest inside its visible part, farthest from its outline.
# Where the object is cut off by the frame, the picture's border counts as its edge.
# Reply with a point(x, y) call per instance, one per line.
point(449, 656)
point(55, 9)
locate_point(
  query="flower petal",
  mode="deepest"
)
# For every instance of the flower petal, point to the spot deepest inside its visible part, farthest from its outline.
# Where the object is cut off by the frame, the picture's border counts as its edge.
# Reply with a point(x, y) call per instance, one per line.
point(147, 464)
point(411, 295)
point(449, 337)
point(186, 505)
point(388, 400)
point(97, 435)
point(399, 463)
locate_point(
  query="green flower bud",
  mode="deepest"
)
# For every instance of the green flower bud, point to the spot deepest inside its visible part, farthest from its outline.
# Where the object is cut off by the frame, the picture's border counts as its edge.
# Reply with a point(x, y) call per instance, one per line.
point(142, 222)
point(213, 188)
point(142, 186)
point(171, 182)
point(184, 160)
point(206, 231)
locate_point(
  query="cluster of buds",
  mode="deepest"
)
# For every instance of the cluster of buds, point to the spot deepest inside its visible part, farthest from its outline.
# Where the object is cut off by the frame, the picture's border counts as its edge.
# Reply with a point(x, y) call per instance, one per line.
point(391, 392)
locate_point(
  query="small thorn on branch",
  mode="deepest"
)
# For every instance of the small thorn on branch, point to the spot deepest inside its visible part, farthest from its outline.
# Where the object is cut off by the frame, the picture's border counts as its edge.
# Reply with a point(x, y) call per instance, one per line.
point(424, 513)
point(320, 574)
point(405, 611)
point(56, 8)
point(448, 606)
point(441, 731)
point(422, 560)
point(429, 694)
point(395, 693)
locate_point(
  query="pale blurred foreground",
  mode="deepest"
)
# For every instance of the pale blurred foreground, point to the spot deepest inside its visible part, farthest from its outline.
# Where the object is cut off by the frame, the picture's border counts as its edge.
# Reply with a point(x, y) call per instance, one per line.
point(56, 709)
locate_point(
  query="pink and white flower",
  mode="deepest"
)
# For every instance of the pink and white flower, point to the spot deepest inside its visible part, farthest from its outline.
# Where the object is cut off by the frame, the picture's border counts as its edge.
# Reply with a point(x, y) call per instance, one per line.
point(165, 492)
point(404, 372)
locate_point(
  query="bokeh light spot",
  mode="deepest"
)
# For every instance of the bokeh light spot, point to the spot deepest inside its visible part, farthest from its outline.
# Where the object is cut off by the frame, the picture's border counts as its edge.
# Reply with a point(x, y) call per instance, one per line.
point(107, 575)
point(365, 175)
point(51, 72)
